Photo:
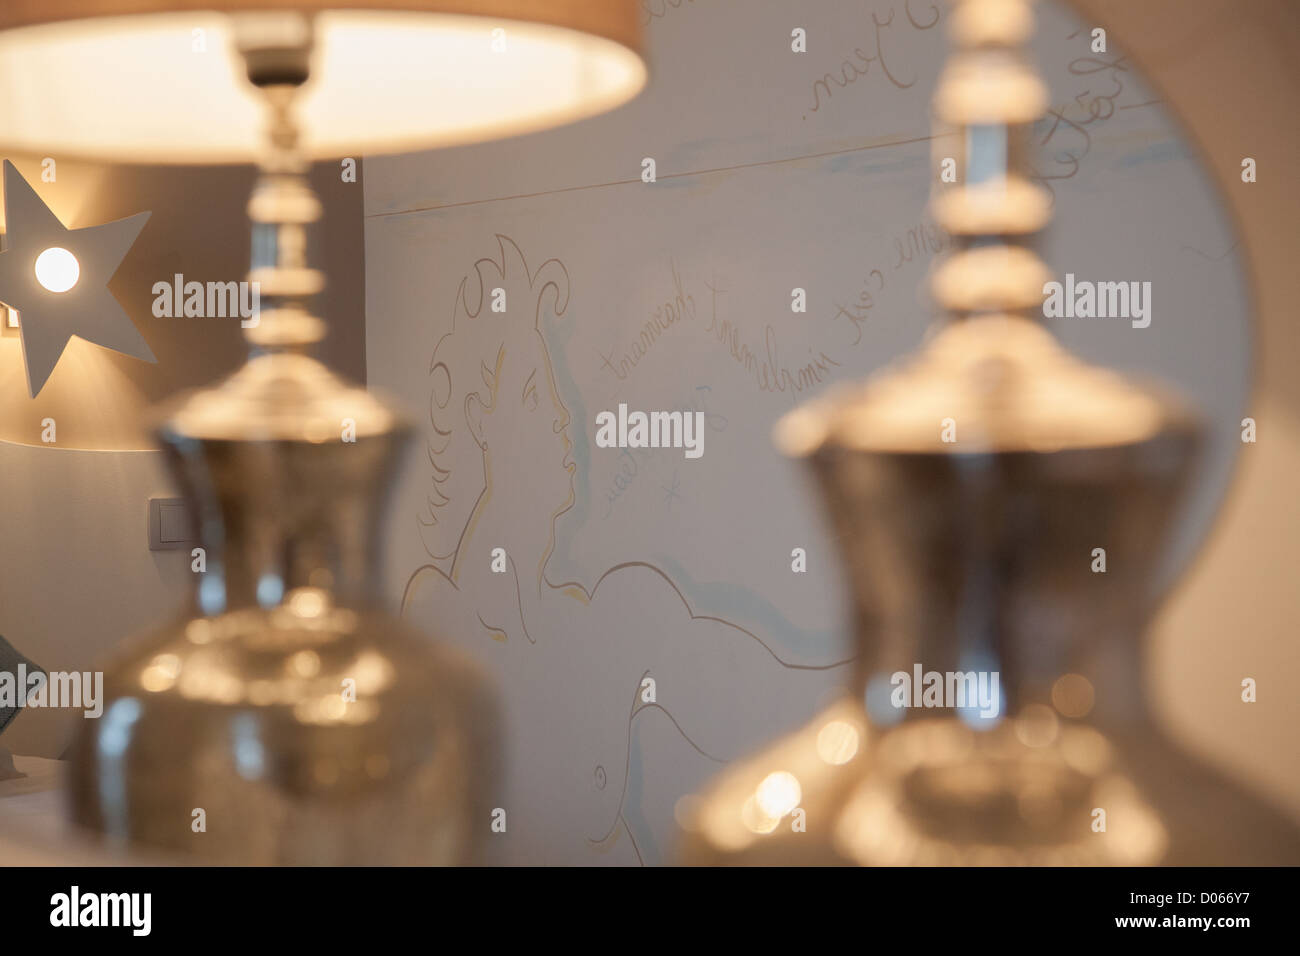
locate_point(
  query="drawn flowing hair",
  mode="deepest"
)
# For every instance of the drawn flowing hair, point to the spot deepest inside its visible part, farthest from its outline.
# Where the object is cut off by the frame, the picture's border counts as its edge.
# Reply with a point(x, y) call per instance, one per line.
point(466, 364)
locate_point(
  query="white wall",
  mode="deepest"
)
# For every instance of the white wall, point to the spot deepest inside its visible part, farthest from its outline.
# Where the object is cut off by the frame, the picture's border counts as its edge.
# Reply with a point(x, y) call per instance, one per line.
point(76, 573)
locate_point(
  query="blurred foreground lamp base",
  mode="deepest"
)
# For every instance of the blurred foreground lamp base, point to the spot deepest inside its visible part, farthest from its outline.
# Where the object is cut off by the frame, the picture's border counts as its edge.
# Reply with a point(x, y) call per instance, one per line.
point(997, 715)
point(969, 487)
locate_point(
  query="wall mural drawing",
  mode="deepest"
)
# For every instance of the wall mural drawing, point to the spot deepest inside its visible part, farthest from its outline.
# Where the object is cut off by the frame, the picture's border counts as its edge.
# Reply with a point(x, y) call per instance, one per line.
point(500, 475)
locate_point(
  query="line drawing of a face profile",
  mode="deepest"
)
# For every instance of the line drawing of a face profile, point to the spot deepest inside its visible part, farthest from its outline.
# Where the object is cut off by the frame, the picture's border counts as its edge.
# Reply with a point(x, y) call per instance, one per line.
point(493, 386)
point(585, 670)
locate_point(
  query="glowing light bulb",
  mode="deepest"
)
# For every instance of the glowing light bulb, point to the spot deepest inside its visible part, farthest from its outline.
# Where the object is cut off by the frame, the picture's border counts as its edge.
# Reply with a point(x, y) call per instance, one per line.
point(57, 269)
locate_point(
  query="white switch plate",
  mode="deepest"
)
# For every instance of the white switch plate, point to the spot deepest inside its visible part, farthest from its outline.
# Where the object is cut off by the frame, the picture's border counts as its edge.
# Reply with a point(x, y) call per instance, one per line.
point(171, 526)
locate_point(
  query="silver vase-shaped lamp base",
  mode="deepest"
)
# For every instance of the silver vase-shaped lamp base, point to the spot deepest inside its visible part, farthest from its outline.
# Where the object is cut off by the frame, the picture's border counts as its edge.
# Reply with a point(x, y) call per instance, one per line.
point(289, 719)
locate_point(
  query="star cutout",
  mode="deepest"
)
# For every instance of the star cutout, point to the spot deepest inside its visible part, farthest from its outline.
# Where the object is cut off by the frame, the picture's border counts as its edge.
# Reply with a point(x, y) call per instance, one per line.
point(48, 319)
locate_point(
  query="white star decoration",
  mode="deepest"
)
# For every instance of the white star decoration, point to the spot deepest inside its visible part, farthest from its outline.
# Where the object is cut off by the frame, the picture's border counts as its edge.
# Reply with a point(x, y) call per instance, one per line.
point(48, 319)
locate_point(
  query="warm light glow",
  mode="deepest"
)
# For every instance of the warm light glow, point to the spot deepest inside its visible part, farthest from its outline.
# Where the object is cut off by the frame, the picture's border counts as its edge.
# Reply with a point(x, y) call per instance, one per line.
point(1022, 392)
point(382, 81)
point(756, 820)
point(778, 794)
point(307, 602)
point(837, 742)
point(1037, 726)
point(305, 664)
point(57, 269)
point(199, 631)
point(686, 809)
point(161, 673)
point(1072, 695)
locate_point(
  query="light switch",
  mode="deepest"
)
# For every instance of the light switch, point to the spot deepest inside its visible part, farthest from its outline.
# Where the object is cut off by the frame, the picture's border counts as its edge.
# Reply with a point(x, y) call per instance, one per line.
point(175, 522)
point(170, 527)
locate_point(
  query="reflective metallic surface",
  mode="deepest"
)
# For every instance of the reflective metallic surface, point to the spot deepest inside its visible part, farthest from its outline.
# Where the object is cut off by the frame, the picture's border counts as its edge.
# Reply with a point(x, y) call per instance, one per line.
point(1002, 510)
point(984, 562)
point(308, 725)
point(247, 716)
point(289, 719)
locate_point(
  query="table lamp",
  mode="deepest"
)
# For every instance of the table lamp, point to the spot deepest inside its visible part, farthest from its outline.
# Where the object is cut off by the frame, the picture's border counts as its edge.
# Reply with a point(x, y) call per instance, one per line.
point(997, 714)
point(289, 719)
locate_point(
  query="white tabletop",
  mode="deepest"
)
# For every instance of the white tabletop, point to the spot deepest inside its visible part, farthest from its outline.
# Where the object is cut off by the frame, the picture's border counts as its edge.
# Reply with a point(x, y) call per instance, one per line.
point(33, 826)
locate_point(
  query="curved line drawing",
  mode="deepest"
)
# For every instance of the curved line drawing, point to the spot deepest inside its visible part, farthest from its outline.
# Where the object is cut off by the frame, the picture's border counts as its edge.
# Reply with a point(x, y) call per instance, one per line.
point(699, 617)
point(514, 500)
point(627, 770)
point(635, 849)
point(490, 627)
point(1205, 255)
point(519, 601)
point(635, 712)
point(685, 736)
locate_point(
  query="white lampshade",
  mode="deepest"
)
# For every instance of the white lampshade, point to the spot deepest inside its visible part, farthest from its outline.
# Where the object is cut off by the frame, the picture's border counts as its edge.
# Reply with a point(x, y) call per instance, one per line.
point(159, 81)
